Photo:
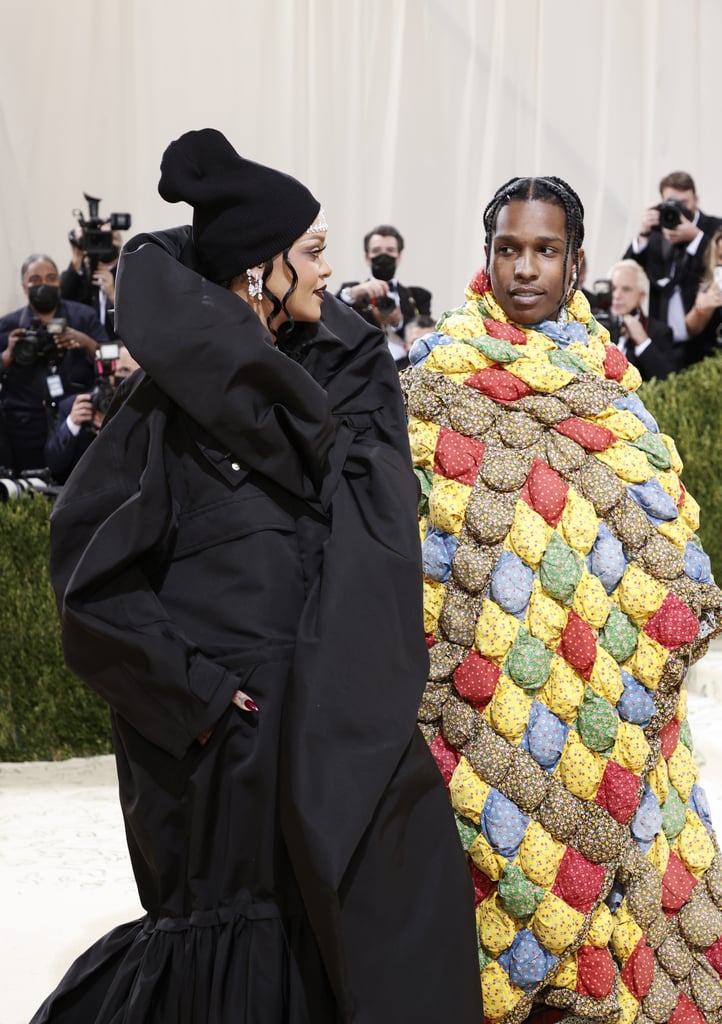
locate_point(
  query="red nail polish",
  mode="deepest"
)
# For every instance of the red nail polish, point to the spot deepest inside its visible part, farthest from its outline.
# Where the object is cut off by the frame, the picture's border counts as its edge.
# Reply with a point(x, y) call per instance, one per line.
point(250, 705)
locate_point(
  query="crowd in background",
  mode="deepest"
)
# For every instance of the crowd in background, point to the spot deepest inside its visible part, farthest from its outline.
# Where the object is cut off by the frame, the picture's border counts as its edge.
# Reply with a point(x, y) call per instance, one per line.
point(61, 359)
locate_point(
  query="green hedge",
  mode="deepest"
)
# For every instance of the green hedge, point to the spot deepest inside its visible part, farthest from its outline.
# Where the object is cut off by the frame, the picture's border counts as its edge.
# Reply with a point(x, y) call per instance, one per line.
point(688, 407)
point(45, 712)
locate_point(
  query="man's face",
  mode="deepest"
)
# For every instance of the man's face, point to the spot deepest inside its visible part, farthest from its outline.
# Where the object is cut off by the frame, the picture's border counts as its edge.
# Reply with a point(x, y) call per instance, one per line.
point(124, 364)
point(385, 244)
point(626, 293)
point(526, 262)
point(686, 197)
point(40, 272)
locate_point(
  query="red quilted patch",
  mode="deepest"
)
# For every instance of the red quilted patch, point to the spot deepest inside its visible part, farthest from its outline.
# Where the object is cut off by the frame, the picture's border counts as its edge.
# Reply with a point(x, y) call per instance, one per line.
point(677, 885)
point(615, 363)
point(595, 972)
point(638, 972)
point(714, 955)
point(669, 736)
point(682, 495)
point(430, 640)
point(686, 1012)
point(498, 384)
point(578, 645)
point(672, 624)
point(483, 885)
point(475, 679)
point(458, 457)
point(507, 332)
point(545, 491)
point(578, 881)
point(445, 757)
point(590, 436)
point(480, 282)
point(618, 792)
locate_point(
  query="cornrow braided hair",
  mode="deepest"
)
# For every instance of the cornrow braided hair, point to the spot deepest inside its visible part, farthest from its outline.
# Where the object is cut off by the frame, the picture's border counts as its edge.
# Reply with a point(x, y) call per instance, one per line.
point(547, 189)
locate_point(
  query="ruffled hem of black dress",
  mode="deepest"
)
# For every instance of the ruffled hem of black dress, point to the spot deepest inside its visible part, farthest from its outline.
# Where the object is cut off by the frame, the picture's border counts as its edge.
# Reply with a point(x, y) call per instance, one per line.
point(219, 966)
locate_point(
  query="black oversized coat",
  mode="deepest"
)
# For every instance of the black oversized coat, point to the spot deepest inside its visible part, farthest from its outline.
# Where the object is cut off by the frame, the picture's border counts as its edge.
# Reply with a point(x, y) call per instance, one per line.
point(246, 520)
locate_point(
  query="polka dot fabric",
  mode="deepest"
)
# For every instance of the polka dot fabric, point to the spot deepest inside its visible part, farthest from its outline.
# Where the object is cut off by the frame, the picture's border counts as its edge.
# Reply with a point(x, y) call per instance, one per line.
point(566, 594)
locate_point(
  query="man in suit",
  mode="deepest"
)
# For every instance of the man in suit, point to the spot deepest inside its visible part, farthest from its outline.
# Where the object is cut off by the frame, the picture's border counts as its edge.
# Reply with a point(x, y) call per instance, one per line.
point(381, 299)
point(670, 246)
point(47, 349)
point(646, 342)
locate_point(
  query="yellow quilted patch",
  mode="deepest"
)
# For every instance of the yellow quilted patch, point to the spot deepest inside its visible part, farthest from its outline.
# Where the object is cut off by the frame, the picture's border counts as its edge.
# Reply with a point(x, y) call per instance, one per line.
point(496, 928)
point(621, 422)
point(626, 934)
point(591, 602)
point(563, 691)
point(677, 531)
point(658, 780)
point(423, 438)
point(498, 994)
point(579, 768)
point(648, 661)
point(566, 976)
point(529, 534)
point(545, 617)
point(629, 464)
point(543, 377)
point(694, 845)
point(628, 1005)
point(495, 631)
point(631, 749)
point(487, 861)
point(601, 927)
point(447, 504)
point(632, 378)
point(466, 324)
point(540, 855)
point(456, 359)
point(508, 710)
point(468, 792)
point(579, 523)
point(690, 512)
point(681, 712)
point(639, 595)
point(658, 853)
point(669, 482)
point(606, 677)
point(683, 771)
point(556, 924)
point(434, 593)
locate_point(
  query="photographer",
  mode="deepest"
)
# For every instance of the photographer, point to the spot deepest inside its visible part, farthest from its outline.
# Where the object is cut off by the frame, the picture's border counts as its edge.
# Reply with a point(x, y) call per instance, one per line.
point(92, 285)
point(671, 246)
point(46, 352)
point(80, 417)
point(381, 299)
point(94, 252)
point(647, 343)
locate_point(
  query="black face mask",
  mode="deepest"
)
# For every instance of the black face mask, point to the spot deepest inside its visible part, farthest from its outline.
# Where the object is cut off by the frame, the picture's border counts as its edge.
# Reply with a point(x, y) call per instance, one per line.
point(44, 298)
point(383, 266)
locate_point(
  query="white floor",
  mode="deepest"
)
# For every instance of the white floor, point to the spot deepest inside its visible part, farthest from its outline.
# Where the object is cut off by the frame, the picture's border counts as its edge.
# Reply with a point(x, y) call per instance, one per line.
point(65, 877)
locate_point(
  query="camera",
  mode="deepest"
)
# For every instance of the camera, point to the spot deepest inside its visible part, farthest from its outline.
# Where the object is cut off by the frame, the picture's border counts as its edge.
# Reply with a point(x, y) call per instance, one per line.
point(95, 241)
point(37, 344)
point(30, 481)
point(671, 213)
point(104, 388)
point(600, 301)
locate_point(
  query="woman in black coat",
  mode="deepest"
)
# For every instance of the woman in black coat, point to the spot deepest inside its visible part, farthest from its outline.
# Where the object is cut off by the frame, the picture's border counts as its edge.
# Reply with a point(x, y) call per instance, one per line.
point(237, 571)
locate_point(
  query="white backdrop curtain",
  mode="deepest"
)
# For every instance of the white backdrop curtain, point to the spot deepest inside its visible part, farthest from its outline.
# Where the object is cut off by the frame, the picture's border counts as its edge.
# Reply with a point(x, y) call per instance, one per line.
point(403, 111)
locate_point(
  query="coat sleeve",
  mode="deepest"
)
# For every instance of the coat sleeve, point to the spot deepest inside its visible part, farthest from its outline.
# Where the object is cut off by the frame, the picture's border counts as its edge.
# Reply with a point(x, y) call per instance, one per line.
point(109, 529)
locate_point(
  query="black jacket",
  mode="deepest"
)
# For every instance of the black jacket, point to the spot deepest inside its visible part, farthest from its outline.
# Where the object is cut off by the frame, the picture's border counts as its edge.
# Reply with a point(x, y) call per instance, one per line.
point(246, 520)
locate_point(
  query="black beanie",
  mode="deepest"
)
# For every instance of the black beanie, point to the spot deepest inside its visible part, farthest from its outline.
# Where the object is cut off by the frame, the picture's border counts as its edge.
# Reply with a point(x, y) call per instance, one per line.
point(243, 213)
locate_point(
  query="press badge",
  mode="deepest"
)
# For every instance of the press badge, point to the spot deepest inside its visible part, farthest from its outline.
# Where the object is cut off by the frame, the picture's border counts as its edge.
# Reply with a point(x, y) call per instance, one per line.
point(55, 385)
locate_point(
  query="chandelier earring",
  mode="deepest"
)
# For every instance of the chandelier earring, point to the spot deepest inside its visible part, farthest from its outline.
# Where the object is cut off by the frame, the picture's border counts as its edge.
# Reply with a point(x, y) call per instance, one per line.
point(255, 284)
